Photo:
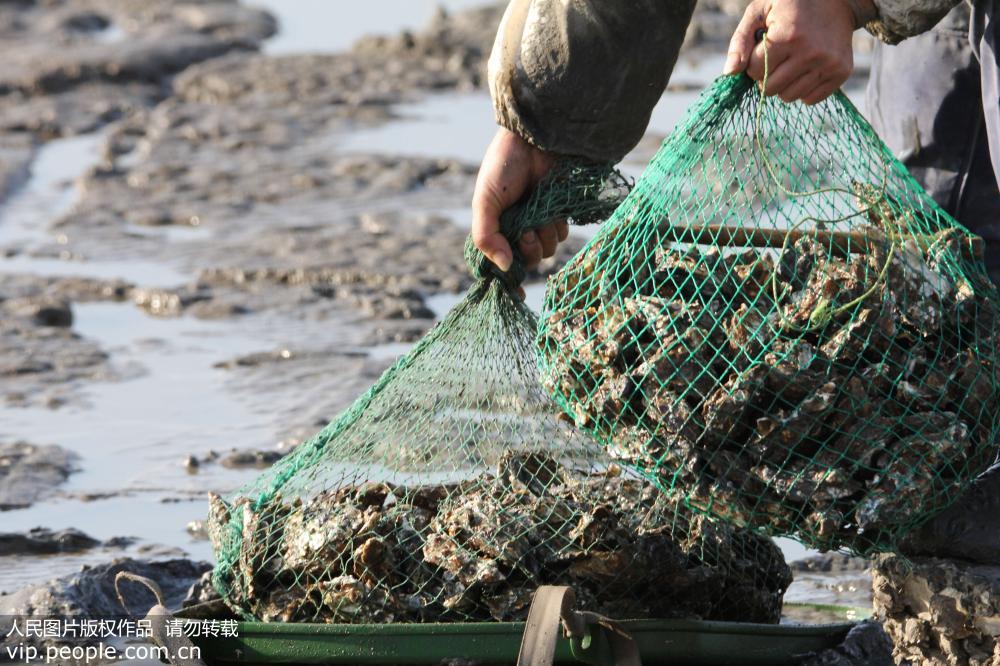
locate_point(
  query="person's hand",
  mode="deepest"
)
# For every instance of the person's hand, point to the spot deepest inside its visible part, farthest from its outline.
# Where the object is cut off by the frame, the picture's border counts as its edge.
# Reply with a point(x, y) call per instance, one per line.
point(511, 168)
point(809, 45)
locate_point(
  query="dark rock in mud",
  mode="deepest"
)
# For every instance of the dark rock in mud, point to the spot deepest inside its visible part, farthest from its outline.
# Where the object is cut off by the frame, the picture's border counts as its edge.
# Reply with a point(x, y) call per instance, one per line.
point(44, 312)
point(43, 541)
point(866, 644)
point(90, 593)
point(29, 472)
point(254, 458)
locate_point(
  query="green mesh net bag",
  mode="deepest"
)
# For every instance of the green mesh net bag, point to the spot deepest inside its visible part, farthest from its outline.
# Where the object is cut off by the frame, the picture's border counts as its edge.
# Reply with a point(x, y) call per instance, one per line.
point(452, 489)
point(780, 329)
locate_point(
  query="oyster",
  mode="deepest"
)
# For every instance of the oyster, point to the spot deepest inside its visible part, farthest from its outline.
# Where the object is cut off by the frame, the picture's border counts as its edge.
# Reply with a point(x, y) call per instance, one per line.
point(478, 550)
point(832, 391)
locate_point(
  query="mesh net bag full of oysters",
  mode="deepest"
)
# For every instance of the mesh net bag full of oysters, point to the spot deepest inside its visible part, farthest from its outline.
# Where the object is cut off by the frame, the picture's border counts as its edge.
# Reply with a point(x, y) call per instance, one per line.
point(780, 329)
point(452, 489)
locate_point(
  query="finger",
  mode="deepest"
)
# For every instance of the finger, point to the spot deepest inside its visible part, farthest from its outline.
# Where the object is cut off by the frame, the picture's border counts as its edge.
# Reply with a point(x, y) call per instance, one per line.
point(741, 44)
point(821, 92)
point(784, 75)
point(801, 86)
point(562, 230)
point(777, 54)
point(549, 239)
point(531, 249)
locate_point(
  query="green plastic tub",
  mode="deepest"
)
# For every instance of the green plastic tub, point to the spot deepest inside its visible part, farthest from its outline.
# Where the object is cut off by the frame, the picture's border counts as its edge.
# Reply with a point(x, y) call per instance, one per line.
point(659, 641)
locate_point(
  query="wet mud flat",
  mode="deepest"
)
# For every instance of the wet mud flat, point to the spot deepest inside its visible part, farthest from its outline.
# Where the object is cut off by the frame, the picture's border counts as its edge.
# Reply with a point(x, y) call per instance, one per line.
point(197, 263)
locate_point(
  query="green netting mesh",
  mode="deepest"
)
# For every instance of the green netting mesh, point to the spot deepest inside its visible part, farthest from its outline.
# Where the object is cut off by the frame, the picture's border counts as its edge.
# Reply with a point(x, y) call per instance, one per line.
point(452, 489)
point(779, 328)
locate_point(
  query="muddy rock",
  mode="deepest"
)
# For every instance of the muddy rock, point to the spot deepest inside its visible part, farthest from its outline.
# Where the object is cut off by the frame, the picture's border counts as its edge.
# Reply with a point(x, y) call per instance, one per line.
point(169, 302)
point(865, 645)
point(21, 288)
point(62, 74)
point(449, 53)
point(256, 458)
point(38, 349)
point(43, 541)
point(939, 611)
point(90, 593)
point(29, 472)
point(835, 563)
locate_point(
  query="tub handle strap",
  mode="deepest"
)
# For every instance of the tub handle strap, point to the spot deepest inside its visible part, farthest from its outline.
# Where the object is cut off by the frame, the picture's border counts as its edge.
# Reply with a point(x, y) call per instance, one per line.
point(158, 617)
point(552, 610)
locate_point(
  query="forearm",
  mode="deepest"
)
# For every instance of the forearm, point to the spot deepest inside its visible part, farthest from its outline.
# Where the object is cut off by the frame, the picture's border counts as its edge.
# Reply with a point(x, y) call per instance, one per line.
point(581, 77)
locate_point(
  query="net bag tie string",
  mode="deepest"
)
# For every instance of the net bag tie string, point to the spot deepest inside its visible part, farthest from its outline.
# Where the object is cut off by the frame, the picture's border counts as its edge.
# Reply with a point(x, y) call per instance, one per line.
point(825, 311)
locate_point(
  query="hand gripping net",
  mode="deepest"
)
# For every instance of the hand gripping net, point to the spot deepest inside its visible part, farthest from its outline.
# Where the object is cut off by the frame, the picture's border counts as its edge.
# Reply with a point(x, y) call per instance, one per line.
point(452, 489)
point(779, 328)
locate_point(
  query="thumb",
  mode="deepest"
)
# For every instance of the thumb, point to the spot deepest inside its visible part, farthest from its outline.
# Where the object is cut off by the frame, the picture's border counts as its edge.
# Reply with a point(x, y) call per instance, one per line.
point(496, 248)
point(742, 43)
point(487, 237)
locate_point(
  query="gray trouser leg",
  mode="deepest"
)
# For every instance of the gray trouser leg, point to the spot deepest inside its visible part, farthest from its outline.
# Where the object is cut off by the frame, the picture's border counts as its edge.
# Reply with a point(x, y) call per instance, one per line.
point(925, 101)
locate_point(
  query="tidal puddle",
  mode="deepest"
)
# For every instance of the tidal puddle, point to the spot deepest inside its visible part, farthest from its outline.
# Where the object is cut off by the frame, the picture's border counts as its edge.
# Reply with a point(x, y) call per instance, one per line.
point(49, 194)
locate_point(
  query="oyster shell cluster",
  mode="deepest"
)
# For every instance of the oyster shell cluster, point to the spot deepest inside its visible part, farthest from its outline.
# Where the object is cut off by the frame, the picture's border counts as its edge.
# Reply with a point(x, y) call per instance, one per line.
point(838, 396)
point(477, 550)
point(938, 611)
